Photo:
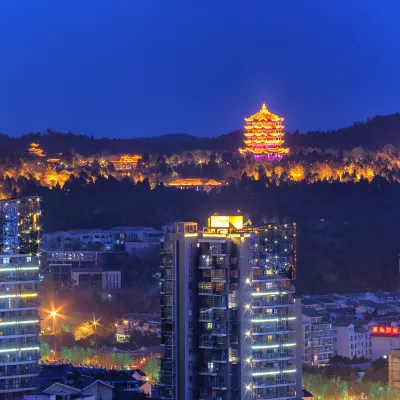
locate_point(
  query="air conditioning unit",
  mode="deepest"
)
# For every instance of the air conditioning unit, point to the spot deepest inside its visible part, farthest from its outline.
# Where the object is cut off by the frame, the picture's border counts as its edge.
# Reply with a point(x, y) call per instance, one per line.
point(275, 311)
point(275, 350)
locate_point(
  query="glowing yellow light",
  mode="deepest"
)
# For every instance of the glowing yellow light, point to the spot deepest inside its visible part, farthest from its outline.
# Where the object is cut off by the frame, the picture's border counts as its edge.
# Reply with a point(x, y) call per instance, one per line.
point(267, 346)
point(34, 321)
point(265, 320)
point(265, 373)
point(20, 349)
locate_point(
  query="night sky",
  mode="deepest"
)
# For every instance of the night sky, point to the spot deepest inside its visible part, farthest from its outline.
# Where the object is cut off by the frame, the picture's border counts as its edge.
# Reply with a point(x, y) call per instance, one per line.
point(125, 68)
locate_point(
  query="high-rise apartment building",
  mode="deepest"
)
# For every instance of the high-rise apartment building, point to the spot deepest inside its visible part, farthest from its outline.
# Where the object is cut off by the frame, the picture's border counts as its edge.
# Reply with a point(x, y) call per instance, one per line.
point(227, 309)
point(19, 278)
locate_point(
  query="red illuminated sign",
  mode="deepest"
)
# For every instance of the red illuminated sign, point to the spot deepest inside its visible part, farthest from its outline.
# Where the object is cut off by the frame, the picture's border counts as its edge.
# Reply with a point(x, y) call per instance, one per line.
point(385, 330)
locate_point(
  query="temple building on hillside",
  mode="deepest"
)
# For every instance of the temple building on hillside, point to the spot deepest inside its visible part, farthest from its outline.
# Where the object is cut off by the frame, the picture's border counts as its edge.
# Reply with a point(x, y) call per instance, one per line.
point(35, 150)
point(126, 164)
point(195, 184)
point(264, 136)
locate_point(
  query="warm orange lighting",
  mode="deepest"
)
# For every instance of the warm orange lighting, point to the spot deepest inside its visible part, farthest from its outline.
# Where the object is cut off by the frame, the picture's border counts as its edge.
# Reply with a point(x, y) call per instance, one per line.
point(195, 182)
point(53, 313)
point(264, 136)
point(126, 162)
point(35, 149)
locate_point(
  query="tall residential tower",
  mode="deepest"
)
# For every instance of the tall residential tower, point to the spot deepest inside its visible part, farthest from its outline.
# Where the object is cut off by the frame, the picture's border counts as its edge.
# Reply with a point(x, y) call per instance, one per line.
point(19, 278)
point(227, 308)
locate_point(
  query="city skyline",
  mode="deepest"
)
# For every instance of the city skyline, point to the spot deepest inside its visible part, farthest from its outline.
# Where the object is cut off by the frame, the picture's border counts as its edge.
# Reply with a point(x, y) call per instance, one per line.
point(106, 70)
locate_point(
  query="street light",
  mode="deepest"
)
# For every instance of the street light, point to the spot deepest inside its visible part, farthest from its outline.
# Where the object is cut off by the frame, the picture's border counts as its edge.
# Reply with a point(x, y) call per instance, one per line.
point(95, 322)
point(53, 314)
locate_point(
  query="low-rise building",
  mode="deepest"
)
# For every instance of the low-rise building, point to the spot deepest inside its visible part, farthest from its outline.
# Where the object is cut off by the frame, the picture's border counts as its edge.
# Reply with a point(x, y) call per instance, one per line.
point(317, 338)
point(394, 368)
point(352, 339)
point(71, 382)
point(96, 278)
point(101, 239)
point(384, 338)
point(60, 264)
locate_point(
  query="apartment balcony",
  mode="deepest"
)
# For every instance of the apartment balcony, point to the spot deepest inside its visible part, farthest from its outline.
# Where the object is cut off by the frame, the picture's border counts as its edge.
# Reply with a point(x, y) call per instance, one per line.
point(206, 315)
point(272, 291)
point(218, 302)
point(260, 383)
point(271, 304)
point(278, 330)
point(209, 371)
point(215, 250)
point(218, 275)
point(206, 342)
point(219, 386)
point(218, 332)
point(219, 359)
point(210, 262)
point(273, 356)
point(205, 291)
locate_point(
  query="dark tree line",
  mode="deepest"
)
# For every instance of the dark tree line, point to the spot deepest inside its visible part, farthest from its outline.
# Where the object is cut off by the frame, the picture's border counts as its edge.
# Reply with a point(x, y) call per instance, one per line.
point(348, 233)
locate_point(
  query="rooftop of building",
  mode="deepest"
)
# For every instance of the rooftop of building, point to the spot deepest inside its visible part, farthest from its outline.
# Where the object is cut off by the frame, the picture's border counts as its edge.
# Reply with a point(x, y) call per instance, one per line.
point(311, 312)
point(87, 374)
point(94, 270)
point(137, 317)
point(195, 182)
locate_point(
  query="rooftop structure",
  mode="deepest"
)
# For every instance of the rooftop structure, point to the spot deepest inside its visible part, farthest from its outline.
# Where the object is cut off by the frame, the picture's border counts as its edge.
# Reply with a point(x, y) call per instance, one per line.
point(68, 380)
point(34, 149)
point(264, 136)
point(195, 183)
point(126, 164)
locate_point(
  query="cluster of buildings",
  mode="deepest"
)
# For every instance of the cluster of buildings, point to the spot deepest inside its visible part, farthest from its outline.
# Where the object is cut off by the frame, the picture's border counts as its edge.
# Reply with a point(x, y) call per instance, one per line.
point(89, 383)
point(357, 326)
point(90, 257)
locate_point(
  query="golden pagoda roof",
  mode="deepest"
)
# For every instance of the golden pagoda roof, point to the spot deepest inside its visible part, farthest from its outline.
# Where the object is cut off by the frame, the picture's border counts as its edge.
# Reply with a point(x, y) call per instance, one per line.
point(195, 182)
point(127, 158)
point(264, 115)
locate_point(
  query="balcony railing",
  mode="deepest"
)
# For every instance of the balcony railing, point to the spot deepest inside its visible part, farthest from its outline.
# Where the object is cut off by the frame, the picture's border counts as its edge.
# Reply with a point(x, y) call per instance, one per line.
point(209, 371)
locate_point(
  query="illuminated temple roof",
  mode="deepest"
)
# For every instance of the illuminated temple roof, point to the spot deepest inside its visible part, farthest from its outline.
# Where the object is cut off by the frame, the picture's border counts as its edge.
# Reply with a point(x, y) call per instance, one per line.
point(264, 115)
point(195, 182)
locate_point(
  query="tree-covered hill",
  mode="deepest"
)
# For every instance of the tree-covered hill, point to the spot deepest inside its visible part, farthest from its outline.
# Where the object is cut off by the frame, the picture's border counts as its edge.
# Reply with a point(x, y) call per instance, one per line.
point(371, 134)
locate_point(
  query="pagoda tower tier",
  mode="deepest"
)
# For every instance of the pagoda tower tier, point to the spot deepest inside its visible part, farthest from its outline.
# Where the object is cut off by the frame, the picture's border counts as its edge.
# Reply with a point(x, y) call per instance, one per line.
point(264, 136)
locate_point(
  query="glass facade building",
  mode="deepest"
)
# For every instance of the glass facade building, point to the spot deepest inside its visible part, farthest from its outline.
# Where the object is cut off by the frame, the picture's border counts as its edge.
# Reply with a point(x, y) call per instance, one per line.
point(19, 279)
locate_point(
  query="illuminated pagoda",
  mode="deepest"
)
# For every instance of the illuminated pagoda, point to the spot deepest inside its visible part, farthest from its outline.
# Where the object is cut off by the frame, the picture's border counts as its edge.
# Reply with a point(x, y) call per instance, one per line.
point(264, 136)
point(35, 150)
point(126, 164)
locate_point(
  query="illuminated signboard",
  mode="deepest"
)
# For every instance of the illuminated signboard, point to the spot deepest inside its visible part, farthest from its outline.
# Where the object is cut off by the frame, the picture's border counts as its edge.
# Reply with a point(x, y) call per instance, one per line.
point(385, 330)
point(225, 221)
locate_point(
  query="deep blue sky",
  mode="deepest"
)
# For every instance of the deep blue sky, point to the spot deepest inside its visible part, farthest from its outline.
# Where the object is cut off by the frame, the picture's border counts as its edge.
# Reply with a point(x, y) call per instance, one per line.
point(124, 68)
